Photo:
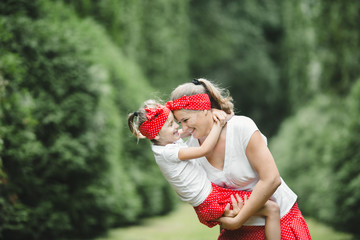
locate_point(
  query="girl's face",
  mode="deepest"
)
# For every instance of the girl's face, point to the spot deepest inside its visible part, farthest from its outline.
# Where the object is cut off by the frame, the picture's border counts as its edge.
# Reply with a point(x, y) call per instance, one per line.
point(169, 133)
point(197, 123)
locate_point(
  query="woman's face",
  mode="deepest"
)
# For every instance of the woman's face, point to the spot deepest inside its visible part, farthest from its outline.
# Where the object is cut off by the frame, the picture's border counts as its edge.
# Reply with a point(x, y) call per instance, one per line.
point(197, 123)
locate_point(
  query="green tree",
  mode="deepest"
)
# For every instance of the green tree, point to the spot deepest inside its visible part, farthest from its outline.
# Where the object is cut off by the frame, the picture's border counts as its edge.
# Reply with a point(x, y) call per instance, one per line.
point(320, 39)
point(153, 33)
point(64, 171)
point(236, 43)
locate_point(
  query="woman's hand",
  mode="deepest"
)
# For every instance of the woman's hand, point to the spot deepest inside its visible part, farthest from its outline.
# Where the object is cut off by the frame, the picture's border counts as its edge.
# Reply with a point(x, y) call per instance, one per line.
point(228, 223)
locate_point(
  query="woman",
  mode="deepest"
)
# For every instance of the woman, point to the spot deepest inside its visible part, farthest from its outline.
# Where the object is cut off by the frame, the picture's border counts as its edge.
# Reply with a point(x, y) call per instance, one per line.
point(240, 160)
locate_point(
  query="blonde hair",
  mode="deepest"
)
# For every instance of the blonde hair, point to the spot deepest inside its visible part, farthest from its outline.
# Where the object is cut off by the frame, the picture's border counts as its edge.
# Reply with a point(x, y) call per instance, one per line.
point(220, 98)
point(137, 118)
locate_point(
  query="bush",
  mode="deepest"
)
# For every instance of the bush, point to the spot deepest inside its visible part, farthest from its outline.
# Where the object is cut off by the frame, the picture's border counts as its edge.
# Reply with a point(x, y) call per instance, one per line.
point(316, 152)
point(65, 171)
point(301, 150)
point(346, 167)
point(320, 48)
point(155, 34)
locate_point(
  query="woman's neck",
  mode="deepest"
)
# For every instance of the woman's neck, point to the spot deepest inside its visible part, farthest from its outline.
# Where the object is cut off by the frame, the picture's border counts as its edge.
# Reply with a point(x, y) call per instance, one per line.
point(202, 139)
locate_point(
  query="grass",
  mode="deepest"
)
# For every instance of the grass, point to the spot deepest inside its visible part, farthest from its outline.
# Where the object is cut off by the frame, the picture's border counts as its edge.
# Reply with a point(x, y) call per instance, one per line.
point(183, 224)
point(320, 231)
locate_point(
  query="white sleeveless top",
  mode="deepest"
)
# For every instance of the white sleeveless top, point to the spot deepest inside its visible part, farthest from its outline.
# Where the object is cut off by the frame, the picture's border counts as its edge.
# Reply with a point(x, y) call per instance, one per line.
point(187, 177)
point(237, 172)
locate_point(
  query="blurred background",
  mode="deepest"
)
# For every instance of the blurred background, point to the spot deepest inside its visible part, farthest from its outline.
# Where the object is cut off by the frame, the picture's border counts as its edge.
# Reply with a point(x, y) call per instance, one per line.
point(71, 71)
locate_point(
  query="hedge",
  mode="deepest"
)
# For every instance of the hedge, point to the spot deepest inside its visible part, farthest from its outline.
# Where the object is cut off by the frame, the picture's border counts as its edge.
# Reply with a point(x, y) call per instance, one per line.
point(64, 106)
point(316, 151)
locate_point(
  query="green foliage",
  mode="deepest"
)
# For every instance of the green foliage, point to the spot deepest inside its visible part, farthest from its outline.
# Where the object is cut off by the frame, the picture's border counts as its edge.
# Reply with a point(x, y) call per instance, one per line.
point(19, 7)
point(66, 91)
point(301, 150)
point(13, 216)
point(316, 147)
point(317, 154)
point(320, 48)
point(154, 33)
point(346, 167)
point(235, 43)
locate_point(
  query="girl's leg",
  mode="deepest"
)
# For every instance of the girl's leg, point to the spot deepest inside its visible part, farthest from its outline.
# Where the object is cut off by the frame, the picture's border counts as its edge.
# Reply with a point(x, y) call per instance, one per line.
point(271, 212)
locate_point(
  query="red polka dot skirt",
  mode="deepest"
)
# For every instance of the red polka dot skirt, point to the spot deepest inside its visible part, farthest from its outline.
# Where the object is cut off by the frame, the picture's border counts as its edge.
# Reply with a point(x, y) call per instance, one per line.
point(293, 227)
point(214, 205)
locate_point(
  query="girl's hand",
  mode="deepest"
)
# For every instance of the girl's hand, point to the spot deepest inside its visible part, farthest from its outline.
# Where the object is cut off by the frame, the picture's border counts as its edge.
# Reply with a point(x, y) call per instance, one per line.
point(228, 221)
point(219, 116)
point(229, 116)
point(236, 206)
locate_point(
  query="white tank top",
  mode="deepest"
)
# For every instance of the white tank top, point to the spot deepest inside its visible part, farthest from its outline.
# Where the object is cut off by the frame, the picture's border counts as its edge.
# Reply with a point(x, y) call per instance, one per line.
point(237, 172)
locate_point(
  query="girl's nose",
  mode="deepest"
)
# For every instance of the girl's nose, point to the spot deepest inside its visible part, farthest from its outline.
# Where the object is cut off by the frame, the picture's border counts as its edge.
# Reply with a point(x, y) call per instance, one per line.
point(184, 127)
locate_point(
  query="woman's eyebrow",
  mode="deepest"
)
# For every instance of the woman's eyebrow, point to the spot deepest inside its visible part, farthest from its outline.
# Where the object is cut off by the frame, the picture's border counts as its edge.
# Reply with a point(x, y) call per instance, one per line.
point(182, 119)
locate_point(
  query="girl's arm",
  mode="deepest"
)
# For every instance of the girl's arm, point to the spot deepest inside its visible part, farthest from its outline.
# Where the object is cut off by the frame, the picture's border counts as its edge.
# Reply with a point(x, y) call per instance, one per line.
point(220, 118)
point(219, 115)
point(205, 148)
point(263, 163)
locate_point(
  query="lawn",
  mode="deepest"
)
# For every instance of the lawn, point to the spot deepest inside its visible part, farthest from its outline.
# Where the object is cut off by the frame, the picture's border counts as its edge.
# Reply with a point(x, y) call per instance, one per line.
point(183, 224)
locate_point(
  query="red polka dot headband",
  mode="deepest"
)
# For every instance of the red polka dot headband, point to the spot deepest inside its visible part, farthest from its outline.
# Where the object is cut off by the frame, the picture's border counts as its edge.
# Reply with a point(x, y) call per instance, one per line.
point(156, 117)
point(194, 102)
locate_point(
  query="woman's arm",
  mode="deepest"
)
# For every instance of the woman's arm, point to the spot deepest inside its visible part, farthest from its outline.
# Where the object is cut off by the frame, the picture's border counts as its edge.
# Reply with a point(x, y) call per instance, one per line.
point(263, 163)
point(205, 148)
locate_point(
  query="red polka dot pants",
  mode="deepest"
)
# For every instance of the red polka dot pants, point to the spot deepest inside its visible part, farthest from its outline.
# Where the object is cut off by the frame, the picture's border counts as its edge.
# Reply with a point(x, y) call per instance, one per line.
point(293, 227)
point(214, 205)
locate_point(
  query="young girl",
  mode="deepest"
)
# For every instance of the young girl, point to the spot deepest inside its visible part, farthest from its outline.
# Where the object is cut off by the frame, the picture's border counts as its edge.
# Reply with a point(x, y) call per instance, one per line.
point(186, 176)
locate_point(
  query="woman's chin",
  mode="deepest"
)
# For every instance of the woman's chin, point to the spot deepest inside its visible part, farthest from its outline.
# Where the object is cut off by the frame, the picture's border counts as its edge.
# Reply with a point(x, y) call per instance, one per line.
point(195, 134)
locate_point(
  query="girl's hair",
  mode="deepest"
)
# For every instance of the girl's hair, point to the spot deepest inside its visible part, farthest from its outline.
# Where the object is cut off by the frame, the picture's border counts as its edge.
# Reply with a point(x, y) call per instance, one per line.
point(137, 118)
point(220, 98)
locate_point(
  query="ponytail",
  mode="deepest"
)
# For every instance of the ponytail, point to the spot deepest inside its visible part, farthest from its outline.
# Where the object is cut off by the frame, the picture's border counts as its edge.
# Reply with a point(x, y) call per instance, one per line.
point(137, 118)
point(220, 98)
point(134, 124)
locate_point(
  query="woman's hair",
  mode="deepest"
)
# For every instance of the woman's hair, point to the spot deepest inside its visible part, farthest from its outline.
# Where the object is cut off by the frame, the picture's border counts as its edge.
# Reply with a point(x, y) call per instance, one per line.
point(220, 98)
point(137, 118)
